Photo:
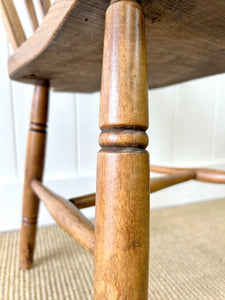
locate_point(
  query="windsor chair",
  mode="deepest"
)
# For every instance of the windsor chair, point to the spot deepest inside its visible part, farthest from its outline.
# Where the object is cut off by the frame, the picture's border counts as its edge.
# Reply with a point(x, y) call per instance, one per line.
point(65, 54)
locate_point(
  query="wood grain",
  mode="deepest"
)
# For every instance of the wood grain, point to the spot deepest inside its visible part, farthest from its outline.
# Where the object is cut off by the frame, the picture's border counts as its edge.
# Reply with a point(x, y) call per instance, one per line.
point(44, 6)
point(34, 169)
point(67, 215)
point(12, 23)
point(84, 201)
point(185, 40)
point(36, 137)
point(201, 174)
point(32, 14)
point(156, 184)
point(122, 196)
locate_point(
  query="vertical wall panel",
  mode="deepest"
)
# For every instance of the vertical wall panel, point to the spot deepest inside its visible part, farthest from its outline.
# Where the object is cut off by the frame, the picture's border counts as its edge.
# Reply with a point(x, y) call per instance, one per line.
point(161, 118)
point(218, 145)
point(61, 138)
point(193, 127)
point(88, 112)
point(8, 169)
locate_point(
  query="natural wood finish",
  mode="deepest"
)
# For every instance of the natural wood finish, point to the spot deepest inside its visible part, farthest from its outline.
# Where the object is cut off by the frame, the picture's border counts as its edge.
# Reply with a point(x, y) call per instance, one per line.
point(83, 201)
point(166, 181)
point(209, 175)
point(122, 197)
point(201, 174)
point(34, 169)
point(185, 40)
point(36, 136)
point(44, 6)
point(32, 14)
point(156, 184)
point(128, 138)
point(67, 215)
point(12, 23)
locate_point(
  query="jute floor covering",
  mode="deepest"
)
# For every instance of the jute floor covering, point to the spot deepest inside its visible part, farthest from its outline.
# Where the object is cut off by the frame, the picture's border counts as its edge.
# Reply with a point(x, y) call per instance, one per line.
point(187, 259)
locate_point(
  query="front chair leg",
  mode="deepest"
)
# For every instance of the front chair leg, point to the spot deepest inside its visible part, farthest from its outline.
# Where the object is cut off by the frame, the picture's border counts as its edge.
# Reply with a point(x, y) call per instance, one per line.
point(121, 256)
point(34, 170)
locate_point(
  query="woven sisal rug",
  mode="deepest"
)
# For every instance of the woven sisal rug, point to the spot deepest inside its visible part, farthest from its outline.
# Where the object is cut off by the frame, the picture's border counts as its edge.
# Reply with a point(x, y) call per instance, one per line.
point(187, 259)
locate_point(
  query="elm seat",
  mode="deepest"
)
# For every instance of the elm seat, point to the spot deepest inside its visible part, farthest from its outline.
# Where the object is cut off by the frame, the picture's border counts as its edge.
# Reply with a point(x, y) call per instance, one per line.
point(185, 40)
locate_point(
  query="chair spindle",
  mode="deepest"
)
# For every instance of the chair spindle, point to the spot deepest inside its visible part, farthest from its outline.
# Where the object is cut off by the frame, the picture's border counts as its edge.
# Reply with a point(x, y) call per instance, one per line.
point(32, 14)
point(12, 23)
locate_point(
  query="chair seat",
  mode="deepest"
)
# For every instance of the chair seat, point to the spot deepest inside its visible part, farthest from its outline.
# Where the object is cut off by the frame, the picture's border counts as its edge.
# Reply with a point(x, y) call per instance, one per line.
point(185, 40)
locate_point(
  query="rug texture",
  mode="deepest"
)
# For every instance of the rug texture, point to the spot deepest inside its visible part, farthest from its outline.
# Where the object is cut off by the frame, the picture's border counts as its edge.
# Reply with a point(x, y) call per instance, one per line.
point(187, 259)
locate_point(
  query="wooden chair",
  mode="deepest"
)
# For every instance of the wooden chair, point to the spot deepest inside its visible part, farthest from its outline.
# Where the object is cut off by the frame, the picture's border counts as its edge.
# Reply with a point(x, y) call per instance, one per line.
point(65, 53)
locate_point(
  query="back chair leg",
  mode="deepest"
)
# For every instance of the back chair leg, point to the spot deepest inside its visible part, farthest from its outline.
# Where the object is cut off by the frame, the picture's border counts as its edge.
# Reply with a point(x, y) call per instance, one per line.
point(121, 255)
point(34, 170)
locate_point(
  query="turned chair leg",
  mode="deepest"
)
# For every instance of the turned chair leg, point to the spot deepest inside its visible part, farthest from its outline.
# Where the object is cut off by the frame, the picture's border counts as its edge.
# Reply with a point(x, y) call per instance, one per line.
point(121, 255)
point(34, 170)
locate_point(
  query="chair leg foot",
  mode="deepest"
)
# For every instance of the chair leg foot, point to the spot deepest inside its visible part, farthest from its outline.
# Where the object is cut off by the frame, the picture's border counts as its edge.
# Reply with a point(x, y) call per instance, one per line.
point(27, 243)
point(34, 170)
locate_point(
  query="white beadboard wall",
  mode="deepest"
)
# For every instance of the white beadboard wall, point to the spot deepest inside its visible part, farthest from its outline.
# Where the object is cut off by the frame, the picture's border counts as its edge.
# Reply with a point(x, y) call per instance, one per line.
point(187, 128)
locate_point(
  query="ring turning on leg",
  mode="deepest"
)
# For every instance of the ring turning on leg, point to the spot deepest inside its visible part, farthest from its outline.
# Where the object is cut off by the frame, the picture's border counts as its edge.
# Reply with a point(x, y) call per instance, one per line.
point(122, 197)
point(34, 170)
